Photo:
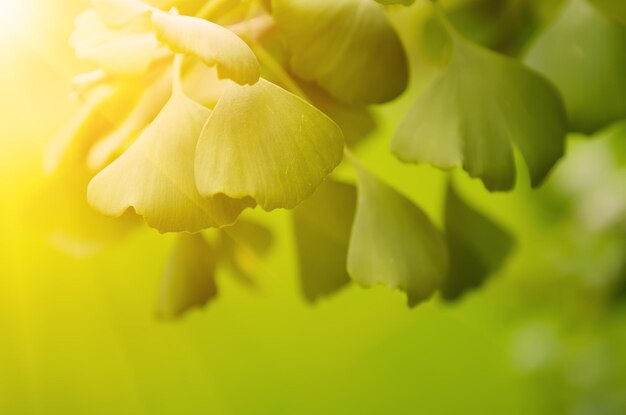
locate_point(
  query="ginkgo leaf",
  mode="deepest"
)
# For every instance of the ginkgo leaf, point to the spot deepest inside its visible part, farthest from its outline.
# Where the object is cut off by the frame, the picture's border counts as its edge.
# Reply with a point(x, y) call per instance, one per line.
point(322, 226)
point(348, 47)
point(477, 108)
point(212, 43)
point(394, 243)
point(478, 247)
point(117, 13)
point(243, 245)
point(266, 143)
point(189, 279)
point(613, 8)
point(155, 175)
point(126, 51)
point(145, 110)
point(104, 107)
point(356, 121)
point(403, 2)
point(68, 223)
point(583, 53)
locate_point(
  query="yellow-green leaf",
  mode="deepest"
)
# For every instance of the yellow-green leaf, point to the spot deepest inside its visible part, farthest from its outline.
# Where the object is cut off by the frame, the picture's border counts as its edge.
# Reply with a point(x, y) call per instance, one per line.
point(189, 279)
point(348, 47)
point(478, 247)
point(155, 175)
point(322, 226)
point(613, 8)
point(474, 112)
point(126, 51)
point(145, 110)
point(403, 2)
point(214, 44)
point(584, 53)
point(394, 243)
point(266, 143)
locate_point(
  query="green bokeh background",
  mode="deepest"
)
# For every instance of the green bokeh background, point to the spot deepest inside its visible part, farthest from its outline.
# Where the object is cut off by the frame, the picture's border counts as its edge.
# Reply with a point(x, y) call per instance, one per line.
point(79, 336)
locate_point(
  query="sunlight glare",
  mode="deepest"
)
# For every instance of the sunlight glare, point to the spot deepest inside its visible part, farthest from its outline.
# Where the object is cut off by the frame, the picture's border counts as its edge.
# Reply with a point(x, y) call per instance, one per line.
point(11, 15)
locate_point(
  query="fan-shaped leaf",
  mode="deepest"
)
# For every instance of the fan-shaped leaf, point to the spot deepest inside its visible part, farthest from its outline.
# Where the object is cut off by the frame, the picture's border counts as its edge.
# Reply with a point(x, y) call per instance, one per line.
point(125, 51)
point(394, 243)
point(479, 106)
point(322, 225)
point(584, 54)
point(212, 43)
point(264, 142)
point(155, 175)
point(189, 279)
point(477, 246)
point(348, 47)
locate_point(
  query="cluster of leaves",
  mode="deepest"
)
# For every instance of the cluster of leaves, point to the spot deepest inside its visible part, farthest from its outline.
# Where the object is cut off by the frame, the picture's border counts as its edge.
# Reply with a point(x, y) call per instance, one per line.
point(199, 110)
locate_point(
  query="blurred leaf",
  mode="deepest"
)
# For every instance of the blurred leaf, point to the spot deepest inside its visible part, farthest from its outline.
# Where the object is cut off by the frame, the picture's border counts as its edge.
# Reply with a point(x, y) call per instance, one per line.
point(67, 222)
point(212, 43)
point(478, 247)
point(155, 175)
point(614, 8)
point(127, 51)
point(582, 52)
point(403, 2)
point(243, 244)
point(348, 47)
point(102, 109)
point(356, 121)
point(322, 226)
point(394, 243)
point(147, 107)
point(278, 156)
point(480, 105)
point(189, 279)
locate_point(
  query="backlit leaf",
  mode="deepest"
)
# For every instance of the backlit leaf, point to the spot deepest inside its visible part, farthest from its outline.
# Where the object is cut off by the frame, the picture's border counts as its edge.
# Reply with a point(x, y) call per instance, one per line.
point(189, 279)
point(212, 43)
point(155, 175)
point(348, 47)
point(125, 51)
point(478, 247)
point(394, 243)
point(264, 142)
point(477, 108)
point(322, 226)
point(145, 110)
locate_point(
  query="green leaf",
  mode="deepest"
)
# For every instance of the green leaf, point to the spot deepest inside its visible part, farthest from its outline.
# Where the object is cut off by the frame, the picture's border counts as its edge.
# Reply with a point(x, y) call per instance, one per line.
point(403, 2)
point(214, 44)
point(394, 243)
point(356, 121)
point(348, 47)
point(583, 53)
point(243, 244)
point(613, 8)
point(266, 143)
point(127, 51)
point(477, 108)
point(478, 247)
point(322, 226)
point(189, 279)
point(155, 175)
